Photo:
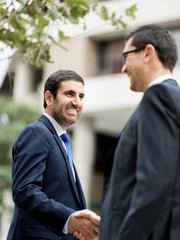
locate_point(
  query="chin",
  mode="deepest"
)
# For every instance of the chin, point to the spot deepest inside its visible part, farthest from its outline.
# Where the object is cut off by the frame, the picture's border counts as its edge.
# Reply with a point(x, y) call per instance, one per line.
point(72, 120)
point(132, 88)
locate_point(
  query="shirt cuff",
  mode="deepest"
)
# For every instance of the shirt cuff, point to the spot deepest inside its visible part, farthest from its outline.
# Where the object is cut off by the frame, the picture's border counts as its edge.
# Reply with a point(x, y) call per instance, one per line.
point(65, 228)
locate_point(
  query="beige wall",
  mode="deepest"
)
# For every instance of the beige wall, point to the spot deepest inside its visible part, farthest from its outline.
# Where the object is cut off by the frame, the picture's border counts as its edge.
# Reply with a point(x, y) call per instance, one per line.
point(80, 57)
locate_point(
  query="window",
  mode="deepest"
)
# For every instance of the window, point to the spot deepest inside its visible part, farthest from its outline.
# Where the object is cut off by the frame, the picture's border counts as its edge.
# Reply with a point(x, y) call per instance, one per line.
point(7, 86)
point(36, 78)
point(110, 56)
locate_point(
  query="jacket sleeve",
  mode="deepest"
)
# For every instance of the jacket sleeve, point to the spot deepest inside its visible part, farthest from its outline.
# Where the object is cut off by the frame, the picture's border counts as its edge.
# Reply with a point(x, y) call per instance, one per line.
point(30, 154)
point(157, 161)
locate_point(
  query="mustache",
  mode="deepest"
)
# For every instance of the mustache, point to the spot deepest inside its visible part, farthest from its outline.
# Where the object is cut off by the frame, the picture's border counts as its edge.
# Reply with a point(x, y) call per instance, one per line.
point(73, 106)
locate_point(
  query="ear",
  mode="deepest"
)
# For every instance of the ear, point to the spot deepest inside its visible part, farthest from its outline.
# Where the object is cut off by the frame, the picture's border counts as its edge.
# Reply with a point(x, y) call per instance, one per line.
point(48, 97)
point(150, 52)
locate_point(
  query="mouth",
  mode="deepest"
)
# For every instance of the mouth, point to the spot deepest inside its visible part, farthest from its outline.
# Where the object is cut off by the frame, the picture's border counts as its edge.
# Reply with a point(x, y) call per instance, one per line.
point(128, 74)
point(72, 111)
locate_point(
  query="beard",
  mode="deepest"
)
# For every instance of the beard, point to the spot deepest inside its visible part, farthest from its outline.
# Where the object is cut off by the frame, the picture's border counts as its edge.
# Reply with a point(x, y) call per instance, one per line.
point(63, 116)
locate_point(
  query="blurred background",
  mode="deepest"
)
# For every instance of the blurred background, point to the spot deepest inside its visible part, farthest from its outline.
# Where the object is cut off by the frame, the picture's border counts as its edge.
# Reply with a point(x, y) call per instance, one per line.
point(96, 55)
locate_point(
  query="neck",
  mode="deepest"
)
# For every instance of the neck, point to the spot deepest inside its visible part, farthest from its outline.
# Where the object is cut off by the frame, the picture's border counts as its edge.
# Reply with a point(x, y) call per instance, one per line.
point(156, 73)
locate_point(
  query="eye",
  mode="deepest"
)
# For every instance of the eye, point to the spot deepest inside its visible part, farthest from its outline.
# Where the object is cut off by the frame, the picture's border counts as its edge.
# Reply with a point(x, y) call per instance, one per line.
point(125, 55)
point(81, 96)
point(69, 93)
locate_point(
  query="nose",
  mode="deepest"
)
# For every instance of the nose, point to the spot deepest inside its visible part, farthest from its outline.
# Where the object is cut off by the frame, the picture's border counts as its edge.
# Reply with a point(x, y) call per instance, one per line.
point(123, 68)
point(77, 102)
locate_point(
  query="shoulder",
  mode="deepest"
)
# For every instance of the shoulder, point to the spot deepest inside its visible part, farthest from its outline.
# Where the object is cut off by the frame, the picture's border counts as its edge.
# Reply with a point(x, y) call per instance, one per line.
point(165, 93)
point(36, 131)
point(36, 127)
point(164, 98)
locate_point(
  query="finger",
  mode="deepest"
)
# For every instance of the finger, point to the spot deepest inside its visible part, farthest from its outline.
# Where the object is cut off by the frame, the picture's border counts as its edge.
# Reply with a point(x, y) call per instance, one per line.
point(84, 213)
point(83, 225)
point(75, 233)
point(90, 215)
point(95, 219)
point(92, 231)
point(79, 235)
point(96, 228)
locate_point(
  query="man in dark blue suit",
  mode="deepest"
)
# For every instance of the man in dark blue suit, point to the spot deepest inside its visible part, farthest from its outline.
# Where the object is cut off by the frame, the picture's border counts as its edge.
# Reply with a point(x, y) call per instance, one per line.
point(142, 201)
point(46, 189)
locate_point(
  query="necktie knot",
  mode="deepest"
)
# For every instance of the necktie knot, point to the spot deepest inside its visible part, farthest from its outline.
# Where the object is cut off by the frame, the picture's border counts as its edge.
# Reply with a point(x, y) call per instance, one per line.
point(65, 138)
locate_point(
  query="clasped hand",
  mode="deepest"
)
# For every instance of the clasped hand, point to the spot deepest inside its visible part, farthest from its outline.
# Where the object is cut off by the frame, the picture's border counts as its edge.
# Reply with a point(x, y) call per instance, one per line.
point(84, 224)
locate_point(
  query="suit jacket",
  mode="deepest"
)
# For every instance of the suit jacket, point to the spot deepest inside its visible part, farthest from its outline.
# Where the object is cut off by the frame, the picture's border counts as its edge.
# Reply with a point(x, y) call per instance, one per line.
point(143, 197)
point(43, 187)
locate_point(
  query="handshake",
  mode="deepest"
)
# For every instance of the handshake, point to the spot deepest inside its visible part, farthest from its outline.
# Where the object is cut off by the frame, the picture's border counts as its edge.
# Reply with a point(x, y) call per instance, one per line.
point(84, 224)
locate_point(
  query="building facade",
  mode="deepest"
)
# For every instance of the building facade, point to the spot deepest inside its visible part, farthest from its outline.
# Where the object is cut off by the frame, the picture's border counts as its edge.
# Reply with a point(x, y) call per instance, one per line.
point(97, 56)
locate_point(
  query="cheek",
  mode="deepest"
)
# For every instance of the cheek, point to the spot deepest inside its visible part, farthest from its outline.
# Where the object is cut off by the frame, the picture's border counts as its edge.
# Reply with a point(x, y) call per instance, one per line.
point(82, 106)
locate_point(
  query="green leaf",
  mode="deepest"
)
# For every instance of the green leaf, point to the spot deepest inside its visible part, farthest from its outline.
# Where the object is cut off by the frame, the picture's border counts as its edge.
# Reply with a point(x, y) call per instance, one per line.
point(104, 13)
point(52, 39)
point(131, 11)
point(42, 22)
point(63, 12)
point(95, 6)
point(123, 24)
point(2, 11)
point(20, 1)
point(62, 36)
point(2, 4)
point(84, 26)
point(73, 20)
point(28, 24)
point(52, 11)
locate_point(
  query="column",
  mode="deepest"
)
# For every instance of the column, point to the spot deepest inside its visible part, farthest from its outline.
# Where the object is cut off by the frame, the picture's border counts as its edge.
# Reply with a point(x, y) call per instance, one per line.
point(22, 81)
point(7, 213)
point(83, 151)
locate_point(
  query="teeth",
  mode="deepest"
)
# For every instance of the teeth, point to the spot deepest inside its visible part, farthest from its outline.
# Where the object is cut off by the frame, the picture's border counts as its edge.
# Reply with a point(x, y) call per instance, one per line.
point(72, 110)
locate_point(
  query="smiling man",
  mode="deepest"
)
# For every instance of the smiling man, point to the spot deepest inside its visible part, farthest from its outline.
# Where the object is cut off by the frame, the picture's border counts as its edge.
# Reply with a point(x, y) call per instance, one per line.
point(46, 189)
point(143, 197)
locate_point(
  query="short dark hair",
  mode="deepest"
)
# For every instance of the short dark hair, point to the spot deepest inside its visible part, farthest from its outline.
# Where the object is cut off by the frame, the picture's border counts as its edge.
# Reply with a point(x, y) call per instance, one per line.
point(160, 38)
point(54, 80)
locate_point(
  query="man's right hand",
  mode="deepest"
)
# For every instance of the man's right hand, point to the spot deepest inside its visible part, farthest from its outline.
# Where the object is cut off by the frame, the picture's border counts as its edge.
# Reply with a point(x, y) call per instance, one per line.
point(84, 224)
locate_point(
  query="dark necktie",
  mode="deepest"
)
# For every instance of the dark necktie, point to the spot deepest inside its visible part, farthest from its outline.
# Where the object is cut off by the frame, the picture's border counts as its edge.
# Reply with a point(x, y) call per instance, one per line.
point(66, 140)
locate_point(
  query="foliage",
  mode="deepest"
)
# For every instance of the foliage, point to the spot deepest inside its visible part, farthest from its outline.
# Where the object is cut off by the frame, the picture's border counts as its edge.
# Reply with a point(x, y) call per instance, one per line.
point(13, 118)
point(26, 24)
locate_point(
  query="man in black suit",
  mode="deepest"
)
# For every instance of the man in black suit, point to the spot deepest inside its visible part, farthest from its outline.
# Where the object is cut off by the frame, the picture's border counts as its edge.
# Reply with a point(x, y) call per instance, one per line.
point(47, 193)
point(143, 197)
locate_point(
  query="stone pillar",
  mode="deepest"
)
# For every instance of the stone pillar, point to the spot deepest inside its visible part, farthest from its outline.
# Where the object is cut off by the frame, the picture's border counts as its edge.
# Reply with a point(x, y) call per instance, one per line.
point(7, 212)
point(22, 81)
point(83, 151)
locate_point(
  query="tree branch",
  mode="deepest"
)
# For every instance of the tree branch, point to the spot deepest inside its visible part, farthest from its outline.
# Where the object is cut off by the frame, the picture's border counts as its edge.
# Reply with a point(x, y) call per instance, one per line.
point(13, 14)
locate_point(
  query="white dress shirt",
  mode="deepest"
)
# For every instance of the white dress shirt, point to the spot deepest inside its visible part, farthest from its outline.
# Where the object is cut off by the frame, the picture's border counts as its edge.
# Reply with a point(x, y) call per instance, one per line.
point(160, 79)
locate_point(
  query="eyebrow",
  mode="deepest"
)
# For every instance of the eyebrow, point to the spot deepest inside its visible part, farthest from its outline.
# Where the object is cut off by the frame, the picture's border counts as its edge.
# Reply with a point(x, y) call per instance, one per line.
point(71, 91)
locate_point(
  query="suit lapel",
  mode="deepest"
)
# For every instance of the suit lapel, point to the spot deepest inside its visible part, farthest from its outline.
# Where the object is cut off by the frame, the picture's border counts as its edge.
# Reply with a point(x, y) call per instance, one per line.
point(68, 167)
point(49, 125)
point(80, 191)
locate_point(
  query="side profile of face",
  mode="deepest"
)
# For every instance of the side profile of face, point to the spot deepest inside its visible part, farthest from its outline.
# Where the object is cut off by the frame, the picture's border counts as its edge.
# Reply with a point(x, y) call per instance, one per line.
point(68, 104)
point(133, 67)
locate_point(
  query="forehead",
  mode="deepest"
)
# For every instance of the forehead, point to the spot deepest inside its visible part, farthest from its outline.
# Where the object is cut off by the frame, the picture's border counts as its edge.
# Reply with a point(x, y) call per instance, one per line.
point(128, 45)
point(73, 85)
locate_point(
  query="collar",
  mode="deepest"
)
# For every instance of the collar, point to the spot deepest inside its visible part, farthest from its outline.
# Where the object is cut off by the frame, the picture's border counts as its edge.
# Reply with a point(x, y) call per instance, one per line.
point(55, 124)
point(160, 79)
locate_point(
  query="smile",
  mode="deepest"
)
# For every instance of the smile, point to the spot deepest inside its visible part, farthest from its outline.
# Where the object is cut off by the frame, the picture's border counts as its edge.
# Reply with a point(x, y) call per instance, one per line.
point(72, 111)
